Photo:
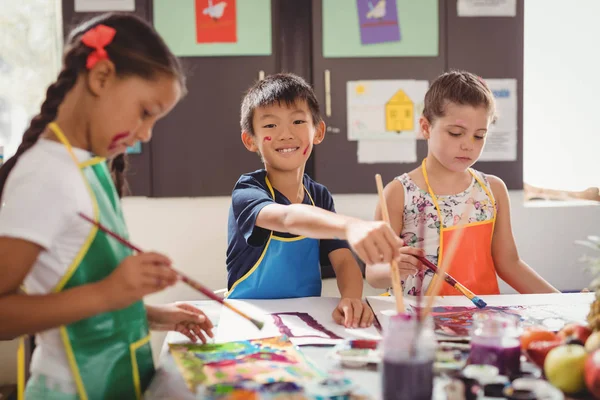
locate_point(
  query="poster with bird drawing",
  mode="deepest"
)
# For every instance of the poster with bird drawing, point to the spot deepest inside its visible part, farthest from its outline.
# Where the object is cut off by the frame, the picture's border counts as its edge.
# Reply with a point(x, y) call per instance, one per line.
point(206, 28)
point(216, 21)
point(378, 21)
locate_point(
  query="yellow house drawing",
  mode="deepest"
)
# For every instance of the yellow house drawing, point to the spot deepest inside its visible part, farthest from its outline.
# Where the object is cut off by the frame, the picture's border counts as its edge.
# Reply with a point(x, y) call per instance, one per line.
point(399, 113)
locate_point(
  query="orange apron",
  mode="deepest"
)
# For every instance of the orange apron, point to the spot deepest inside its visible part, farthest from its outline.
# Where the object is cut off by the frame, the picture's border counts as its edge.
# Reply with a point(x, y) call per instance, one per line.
point(472, 265)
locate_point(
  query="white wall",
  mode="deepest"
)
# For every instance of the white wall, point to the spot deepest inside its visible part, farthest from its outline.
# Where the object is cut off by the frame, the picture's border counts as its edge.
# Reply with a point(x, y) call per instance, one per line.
point(560, 96)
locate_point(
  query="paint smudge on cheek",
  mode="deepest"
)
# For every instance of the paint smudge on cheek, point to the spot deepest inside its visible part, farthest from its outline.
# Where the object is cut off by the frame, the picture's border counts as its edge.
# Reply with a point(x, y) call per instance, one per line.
point(267, 139)
point(305, 150)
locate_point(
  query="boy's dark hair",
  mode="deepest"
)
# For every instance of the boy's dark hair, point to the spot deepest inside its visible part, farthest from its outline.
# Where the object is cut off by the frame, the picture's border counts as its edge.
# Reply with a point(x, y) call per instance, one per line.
point(136, 50)
point(459, 87)
point(281, 88)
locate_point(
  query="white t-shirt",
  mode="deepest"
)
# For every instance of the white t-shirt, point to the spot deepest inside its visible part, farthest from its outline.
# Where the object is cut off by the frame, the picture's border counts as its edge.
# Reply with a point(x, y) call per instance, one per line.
point(41, 199)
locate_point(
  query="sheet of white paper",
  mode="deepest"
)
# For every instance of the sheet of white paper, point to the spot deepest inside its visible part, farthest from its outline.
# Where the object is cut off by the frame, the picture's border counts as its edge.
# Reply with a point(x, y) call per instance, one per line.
point(104, 5)
point(384, 109)
point(233, 327)
point(564, 303)
point(486, 8)
point(501, 143)
point(387, 151)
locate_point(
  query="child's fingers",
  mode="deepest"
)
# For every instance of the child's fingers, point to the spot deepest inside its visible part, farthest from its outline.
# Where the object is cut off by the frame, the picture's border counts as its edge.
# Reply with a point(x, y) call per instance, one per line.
point(185, 331)
point(371, 252)
point(386, 251)
point(161, 272)
point(366, 316)
point(338, 317)
point(357, 310)
point(198, 332)
point(154, 258)
point(347, 312)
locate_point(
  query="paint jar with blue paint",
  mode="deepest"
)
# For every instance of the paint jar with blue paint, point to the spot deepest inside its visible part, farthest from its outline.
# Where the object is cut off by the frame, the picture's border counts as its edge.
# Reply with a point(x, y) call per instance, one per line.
point(408, 355)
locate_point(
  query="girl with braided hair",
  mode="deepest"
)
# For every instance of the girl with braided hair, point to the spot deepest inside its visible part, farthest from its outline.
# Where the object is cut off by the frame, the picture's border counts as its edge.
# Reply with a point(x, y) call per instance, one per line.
point(83, 290)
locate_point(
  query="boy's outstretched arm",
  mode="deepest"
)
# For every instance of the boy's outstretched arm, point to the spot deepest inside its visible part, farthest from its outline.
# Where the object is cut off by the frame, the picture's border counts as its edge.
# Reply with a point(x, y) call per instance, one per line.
point(373, 241)
point(507, 261)
point(352, 311)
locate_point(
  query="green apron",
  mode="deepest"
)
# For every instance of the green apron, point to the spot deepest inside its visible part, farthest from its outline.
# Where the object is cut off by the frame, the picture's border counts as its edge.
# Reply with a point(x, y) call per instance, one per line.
point(109, 354)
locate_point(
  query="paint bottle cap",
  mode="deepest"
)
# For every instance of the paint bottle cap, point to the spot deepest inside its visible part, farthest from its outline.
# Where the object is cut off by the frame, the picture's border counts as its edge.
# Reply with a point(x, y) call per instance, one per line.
point(481, 372)
point(519, 394)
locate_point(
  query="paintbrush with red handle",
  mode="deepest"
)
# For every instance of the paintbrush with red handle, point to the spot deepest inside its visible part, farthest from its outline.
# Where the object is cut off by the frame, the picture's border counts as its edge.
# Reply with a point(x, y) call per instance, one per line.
point(194, 284)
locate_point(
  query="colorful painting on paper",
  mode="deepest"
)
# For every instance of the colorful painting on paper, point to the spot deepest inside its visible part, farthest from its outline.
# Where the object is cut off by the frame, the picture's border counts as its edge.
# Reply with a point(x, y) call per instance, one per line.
point(378, 21)
point(216, 21)
point(457, 321)
point(261, 360)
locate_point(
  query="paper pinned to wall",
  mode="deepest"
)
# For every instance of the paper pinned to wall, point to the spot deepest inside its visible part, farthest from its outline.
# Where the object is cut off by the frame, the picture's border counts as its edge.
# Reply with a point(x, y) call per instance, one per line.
point(104, 5)
point(486, 8)
point(378, 21)
point(387, 151)
point(418, 23)
point(502, 138)
point(304, 320)
point(384, 109)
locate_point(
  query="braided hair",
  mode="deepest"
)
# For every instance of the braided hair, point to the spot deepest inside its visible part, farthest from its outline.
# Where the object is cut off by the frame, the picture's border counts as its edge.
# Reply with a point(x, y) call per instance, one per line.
point(136, 50)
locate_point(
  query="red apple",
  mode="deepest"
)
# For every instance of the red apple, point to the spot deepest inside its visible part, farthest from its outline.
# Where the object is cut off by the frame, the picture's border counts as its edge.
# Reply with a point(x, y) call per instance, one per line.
point(537, 351)
point(575, 331)
point(592, 373)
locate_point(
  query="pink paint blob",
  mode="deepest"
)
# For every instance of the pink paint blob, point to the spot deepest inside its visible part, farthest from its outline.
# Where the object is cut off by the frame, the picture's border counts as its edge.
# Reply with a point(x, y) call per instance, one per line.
point(267, 138)
point(305, 150)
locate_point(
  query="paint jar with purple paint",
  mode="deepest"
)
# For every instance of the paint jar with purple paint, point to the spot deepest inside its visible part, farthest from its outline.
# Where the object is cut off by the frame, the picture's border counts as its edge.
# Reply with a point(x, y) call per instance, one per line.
point(408, 355)
point(495, 340)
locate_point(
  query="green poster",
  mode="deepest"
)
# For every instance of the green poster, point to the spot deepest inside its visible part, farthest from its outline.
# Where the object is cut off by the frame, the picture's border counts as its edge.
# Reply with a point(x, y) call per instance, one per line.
point(418, 22)
point(176, 21)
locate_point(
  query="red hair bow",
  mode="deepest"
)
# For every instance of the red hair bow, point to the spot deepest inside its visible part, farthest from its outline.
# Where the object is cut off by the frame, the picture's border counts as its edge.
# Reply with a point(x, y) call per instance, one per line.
point(96, 38)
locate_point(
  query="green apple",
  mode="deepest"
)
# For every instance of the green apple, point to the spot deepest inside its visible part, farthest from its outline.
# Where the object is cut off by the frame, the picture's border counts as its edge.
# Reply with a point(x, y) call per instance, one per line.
point(564, 367)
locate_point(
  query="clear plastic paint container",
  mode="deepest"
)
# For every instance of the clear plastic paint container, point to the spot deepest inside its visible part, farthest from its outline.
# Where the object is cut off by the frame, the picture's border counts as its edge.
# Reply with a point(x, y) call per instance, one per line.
point(495, 340)
point(408, 356)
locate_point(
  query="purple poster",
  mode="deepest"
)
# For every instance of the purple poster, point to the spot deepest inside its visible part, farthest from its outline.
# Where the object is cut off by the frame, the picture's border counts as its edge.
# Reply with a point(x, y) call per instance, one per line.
point(378, 21)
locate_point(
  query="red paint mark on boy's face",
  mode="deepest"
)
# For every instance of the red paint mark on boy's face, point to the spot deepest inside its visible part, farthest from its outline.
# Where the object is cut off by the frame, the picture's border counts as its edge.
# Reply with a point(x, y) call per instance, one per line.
point(305, 150)
point(267, 138)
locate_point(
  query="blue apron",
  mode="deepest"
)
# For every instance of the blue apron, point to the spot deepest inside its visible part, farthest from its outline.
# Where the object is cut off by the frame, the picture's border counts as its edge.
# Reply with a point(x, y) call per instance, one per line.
point(287, 267)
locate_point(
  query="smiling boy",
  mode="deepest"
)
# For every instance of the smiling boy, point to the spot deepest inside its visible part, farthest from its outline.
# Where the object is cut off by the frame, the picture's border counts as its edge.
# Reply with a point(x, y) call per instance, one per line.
point(282, 224)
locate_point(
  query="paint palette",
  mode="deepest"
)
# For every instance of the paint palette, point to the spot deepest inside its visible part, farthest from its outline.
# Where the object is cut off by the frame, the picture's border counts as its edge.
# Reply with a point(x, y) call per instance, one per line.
point(357, 353)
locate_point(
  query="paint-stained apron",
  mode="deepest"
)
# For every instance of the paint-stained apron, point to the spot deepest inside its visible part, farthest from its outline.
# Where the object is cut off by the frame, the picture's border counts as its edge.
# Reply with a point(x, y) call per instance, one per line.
point(287, 268)
point(472, 264)
point(109, 354)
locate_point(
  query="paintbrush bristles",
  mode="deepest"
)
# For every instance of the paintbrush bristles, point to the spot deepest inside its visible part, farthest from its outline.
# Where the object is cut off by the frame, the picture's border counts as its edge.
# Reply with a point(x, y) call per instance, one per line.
point(396, 283)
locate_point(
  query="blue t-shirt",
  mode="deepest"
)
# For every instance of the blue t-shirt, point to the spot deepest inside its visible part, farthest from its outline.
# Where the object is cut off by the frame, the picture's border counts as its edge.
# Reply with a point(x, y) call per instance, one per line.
point(246, 241)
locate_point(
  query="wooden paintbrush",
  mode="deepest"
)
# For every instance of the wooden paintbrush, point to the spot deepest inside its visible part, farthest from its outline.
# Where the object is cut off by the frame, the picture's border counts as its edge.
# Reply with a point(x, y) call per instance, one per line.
point(194, 284)
point(396, 284)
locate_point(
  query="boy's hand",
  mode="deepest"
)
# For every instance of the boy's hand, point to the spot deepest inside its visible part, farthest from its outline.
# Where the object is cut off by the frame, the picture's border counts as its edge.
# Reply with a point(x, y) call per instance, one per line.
point(183, 318)
point(373, 241)
point(353, 313)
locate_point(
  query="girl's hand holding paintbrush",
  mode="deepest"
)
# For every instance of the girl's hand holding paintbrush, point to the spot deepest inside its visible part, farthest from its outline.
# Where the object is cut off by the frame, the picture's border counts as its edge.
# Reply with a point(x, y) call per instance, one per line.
point(137, 276)
point(409, 262)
